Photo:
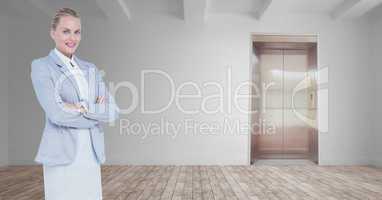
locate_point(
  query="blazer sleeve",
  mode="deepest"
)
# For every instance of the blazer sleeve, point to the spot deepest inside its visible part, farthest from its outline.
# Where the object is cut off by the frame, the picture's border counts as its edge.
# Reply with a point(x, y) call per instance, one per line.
point(107, 111)
point(51, 101)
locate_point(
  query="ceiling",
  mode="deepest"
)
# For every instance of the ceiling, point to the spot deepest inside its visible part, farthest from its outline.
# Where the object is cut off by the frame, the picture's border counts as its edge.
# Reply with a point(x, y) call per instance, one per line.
point(307, 6)
point(237, 6)
point(197, 10)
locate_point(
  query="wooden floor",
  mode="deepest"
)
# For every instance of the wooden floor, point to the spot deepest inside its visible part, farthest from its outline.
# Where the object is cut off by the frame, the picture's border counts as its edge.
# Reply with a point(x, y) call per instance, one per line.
point(211, 182)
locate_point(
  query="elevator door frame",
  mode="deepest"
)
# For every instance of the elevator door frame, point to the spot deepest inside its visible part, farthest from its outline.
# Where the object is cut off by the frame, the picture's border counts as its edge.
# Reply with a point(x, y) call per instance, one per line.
point(297, 40)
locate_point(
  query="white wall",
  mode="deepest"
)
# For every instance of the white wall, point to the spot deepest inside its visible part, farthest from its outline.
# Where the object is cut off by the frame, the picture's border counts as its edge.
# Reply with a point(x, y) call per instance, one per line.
point(376, 45)
point(4, 91)
point(30, 39)
point(199, 54)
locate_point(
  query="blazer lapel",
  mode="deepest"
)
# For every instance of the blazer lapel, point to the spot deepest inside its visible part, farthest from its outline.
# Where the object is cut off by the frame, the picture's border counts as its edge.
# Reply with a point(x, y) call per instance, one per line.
point(65, 71)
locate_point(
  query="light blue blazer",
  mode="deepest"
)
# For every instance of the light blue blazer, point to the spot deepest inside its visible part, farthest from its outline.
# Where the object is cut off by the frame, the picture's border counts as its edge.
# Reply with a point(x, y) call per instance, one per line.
point(54, 85)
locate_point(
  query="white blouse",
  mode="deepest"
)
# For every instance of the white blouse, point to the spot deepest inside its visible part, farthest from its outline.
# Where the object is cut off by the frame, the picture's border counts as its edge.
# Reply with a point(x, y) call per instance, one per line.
point(77, 73)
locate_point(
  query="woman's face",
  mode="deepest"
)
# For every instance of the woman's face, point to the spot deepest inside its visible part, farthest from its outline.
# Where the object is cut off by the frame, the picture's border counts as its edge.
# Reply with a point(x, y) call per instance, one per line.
point(67, 35)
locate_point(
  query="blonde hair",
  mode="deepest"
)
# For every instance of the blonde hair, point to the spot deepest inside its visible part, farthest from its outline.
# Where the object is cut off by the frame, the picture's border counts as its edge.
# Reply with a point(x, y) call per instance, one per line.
point(62, 12)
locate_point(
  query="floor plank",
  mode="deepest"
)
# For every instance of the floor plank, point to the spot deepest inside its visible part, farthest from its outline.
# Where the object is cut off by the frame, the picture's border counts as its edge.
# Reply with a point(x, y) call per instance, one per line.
point(121, 182)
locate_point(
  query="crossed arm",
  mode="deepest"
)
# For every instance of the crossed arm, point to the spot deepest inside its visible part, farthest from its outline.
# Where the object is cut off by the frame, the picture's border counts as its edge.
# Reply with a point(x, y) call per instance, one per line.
point(86, 115)
point(104, 109)
point(81, 108)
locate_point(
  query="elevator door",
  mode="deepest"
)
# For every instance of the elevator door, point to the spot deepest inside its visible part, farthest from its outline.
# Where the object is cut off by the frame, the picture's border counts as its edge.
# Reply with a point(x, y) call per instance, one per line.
point(282, 133)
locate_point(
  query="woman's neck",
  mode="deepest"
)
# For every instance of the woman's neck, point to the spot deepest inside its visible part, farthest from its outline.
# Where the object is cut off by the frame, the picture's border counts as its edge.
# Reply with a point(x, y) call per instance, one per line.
point(67, 55)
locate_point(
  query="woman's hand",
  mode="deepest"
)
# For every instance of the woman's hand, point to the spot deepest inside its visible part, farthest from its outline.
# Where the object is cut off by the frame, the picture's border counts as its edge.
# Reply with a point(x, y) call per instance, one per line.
point(71, 106)
point(82, 109)
point(100, 99)
point(76, 107)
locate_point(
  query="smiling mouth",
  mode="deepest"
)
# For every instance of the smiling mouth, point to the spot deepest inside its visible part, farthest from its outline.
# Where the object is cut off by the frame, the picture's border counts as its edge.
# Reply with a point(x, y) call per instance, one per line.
point(70, 45)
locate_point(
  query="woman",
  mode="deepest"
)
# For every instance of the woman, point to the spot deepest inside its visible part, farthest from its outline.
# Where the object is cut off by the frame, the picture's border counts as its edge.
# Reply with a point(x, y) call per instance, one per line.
point(75, 101)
